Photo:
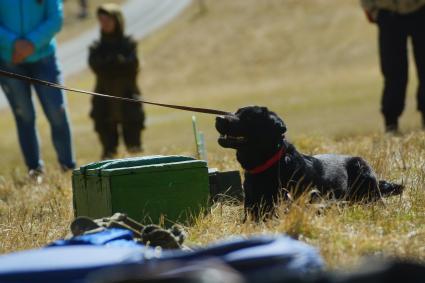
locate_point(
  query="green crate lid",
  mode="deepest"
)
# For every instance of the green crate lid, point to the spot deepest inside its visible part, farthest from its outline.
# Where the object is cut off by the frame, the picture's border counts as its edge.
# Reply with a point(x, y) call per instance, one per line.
point(94, 170)
point(159, 167)
point(100, 164)
point(82, 170)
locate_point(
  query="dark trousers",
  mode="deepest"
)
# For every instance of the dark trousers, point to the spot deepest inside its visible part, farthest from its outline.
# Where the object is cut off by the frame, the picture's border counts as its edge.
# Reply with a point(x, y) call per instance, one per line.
point(109, 136)
point(394, 31)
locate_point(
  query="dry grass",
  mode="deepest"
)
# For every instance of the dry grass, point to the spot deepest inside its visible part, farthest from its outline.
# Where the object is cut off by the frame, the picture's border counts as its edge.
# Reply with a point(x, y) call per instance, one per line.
point(32, 216)
point(346, 233)
point(312, 62)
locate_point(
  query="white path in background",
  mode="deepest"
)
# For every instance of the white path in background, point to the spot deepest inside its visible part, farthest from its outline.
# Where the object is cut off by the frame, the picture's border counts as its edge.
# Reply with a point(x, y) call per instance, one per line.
point(142, 18)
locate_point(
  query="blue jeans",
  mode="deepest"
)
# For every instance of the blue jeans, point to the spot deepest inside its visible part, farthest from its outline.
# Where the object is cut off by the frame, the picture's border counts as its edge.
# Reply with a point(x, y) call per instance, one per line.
point(53, 102)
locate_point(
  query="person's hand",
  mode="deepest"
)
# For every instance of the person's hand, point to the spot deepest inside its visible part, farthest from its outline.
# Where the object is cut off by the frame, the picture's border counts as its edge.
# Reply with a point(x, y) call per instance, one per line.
point(370, 17)
point(23, 49)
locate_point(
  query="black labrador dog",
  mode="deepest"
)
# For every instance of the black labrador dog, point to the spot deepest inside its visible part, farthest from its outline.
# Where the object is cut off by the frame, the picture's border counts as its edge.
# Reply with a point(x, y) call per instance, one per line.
point(274, 168)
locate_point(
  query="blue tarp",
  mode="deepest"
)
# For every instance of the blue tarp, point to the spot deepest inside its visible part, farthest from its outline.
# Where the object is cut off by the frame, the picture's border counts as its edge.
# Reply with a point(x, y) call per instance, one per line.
point(72, 261)
point(108, 237)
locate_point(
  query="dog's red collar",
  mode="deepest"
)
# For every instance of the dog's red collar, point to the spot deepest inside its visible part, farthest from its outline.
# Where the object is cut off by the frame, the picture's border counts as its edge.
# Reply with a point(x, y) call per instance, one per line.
point(269, 163)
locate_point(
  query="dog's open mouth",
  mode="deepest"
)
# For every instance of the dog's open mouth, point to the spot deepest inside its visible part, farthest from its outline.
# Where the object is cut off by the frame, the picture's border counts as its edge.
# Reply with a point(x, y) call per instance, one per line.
point(231, 141)
point(231, 133)
point(233, 138)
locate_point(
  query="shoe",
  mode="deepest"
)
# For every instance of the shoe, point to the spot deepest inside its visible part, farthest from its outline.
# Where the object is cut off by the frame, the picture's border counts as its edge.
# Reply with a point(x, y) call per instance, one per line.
point(134, 149)
point(108, 155)
point(36, 175)
point(391, 129)
point(391, 125)
point(423, 121)
point(65, 168)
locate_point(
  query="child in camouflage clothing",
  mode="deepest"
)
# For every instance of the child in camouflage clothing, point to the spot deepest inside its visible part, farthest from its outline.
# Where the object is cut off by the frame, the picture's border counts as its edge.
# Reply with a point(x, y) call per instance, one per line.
point(114, 61)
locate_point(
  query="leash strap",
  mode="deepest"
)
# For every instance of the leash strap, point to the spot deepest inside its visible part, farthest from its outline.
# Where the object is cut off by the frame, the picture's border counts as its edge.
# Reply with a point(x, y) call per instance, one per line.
point(54, 85)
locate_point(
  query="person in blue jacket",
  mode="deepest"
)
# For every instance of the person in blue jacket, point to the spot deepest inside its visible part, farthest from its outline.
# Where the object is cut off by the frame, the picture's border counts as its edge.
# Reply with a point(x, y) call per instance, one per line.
point(28, 47)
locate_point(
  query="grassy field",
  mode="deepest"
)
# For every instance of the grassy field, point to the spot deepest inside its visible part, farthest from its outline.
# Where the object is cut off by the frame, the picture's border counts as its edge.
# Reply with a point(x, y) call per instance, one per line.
point(314, 63)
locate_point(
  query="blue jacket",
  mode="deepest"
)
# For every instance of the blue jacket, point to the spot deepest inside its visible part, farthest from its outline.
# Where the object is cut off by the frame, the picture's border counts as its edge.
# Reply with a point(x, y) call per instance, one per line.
point(35, 20)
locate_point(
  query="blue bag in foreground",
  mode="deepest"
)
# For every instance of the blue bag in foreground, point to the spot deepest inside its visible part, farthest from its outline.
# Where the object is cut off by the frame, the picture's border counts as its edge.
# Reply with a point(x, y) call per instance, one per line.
point(76, 260)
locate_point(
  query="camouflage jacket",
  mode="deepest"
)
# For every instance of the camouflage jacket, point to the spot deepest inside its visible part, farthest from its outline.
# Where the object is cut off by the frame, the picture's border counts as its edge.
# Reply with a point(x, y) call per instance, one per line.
point(398, 6)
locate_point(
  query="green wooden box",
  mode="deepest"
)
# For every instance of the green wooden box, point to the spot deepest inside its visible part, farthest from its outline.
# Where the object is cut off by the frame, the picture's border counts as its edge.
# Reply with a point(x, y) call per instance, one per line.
point(148, 189)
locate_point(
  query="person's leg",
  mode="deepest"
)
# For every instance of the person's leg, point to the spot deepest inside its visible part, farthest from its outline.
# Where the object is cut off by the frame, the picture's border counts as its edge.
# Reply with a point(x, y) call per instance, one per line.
point(108, 136)
point(18, 94)
point(418, 41)
point(132, 126)
point(83, 9)
point(54, 105)
point(394, 66)
point(132, 137)
point(83, 4)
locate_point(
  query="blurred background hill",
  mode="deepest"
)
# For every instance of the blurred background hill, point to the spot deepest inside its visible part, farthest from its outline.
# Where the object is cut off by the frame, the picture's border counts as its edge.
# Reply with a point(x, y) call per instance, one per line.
point(313, 62)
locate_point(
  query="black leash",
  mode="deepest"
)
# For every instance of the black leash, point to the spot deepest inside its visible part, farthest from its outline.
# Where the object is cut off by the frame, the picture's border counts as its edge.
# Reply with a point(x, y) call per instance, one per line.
point(54, 85)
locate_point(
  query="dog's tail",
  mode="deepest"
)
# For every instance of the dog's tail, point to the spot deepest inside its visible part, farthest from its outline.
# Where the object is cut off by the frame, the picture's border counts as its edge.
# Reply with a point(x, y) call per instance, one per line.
point(390, 189)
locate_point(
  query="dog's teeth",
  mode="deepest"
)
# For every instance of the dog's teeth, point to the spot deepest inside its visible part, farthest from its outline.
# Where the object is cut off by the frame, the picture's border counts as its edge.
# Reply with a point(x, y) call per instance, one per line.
point(239, 138)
